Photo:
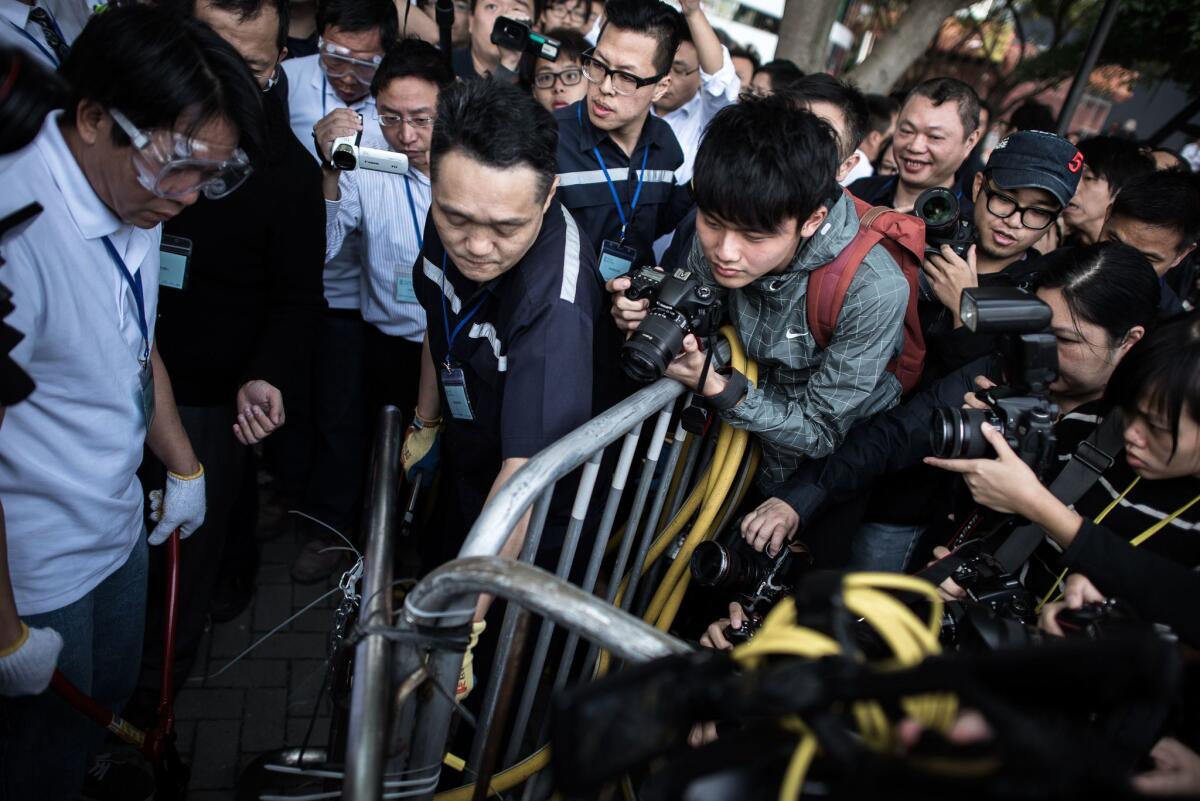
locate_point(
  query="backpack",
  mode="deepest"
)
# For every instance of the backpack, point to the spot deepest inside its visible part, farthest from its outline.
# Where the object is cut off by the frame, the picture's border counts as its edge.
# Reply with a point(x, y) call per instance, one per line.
point(903, 236)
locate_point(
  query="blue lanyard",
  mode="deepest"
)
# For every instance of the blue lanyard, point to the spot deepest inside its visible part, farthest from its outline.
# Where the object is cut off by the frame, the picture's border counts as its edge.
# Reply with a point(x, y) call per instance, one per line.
point(135, 284)
point(637, 192)
point(412, 207)
point(450, 337)
point(53, 58)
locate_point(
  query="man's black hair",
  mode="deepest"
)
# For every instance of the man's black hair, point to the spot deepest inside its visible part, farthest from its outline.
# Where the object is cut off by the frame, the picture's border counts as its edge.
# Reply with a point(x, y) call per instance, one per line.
point(498, 125)
point(242, 9)
point(1032, 116)
point(784, 74)
point(1166, 198)
point(820, 87)
point(1115, 159)
point(356, 16)
point(574, 45)
point(652, 18)
point(764, 161)
point(1161, 372)
point(881, 110)
point(412, 58)
point(1181, 164)
point(160, 71)
point(942, 90)
point(747, 52)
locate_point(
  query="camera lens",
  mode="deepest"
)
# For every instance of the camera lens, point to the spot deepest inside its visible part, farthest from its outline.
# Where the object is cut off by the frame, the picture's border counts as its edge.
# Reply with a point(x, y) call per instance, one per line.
point(645, 355)
point(938, 208)
point(711, 564)
point(955, 433)
point(343, 158)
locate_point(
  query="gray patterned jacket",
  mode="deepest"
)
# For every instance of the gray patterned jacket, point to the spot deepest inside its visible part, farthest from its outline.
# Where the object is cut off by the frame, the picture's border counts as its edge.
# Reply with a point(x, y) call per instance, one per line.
point(807, 398)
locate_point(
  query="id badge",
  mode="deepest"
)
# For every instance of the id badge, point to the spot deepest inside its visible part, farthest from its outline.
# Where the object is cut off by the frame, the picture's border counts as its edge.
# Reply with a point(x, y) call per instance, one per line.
point(146, 394)
point(454, 385)
point(405, 293)
point(615, 259)
point(174, 254)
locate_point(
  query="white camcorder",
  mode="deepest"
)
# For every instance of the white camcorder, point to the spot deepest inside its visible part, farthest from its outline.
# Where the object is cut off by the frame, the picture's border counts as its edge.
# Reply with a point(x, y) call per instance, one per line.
point(347, 154)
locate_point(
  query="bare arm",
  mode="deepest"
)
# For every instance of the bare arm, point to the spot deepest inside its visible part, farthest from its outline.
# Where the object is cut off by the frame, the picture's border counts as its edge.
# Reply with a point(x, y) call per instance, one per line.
point(419, 23)
point(167, 440)
point(429, 404)
point(708, 46)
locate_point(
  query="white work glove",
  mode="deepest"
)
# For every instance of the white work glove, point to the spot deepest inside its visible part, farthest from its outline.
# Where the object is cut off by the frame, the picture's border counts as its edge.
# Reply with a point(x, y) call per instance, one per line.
point(27, 665)
point(182, 508)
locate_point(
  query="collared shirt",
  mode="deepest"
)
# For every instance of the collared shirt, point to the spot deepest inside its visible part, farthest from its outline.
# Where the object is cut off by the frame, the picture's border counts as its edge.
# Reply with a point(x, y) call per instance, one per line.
point(689, 120)
point(583, 189)
point(310, 98)
point(376, 204)
point(863, 169)
point(69, 454)
point(19, 31)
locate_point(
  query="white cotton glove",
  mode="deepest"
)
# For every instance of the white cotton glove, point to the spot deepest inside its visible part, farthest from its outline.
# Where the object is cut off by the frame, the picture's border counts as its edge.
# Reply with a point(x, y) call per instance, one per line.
point(182, 508)
point(27, 665)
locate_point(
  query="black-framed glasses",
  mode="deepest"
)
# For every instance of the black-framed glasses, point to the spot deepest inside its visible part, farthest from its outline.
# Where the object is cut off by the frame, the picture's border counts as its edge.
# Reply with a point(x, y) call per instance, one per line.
point(565, 12)
point(569, 77)
point(624, 83)
point(1003, 206)
point(681, 71)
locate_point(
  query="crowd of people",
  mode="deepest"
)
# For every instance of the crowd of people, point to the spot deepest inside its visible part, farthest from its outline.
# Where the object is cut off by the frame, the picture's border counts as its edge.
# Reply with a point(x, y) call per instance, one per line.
point(261, 221)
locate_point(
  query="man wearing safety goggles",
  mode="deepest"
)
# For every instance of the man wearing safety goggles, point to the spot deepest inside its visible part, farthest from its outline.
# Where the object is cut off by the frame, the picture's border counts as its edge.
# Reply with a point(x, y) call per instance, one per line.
point(157, 109)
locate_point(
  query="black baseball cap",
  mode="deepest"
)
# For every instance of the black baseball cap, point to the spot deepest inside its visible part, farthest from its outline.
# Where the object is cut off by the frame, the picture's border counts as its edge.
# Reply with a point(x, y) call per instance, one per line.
point(1039, 160)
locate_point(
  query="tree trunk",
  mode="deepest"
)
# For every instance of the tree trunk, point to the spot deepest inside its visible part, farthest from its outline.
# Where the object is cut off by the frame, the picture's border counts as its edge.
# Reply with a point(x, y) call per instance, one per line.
point(902, 45)
point(804, 32)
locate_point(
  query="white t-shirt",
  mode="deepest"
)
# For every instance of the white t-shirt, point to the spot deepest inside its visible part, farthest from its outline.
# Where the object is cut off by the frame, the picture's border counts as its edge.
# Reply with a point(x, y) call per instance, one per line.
point(69, 453)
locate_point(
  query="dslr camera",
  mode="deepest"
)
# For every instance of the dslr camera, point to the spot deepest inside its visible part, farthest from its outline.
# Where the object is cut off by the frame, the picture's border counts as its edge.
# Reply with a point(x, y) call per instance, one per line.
point(519, 36)
point(939, 209)
point(679, 305)
point(1022, 411)
point(347, 154)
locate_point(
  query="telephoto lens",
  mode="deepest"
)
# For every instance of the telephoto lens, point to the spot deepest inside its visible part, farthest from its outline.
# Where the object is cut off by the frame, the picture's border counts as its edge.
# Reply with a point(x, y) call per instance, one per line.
point(658, 338)
point(956, 434)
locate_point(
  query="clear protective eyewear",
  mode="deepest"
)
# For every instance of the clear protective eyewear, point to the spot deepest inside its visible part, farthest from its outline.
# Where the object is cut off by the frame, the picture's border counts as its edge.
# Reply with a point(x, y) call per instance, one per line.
point(171, 165)
point(337, 62)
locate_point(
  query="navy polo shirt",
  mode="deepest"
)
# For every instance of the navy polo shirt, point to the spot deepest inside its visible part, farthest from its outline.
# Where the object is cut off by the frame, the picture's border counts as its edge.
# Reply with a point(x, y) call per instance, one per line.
point(526, 354)
point(880, 190)
point(583, 189)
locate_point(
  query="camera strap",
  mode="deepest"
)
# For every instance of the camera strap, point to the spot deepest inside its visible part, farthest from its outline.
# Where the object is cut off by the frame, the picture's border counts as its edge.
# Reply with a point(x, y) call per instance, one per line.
point(1093, 456)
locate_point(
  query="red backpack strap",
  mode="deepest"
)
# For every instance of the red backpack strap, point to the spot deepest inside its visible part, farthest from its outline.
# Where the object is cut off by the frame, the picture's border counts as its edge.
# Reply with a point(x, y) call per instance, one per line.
point(827, 285)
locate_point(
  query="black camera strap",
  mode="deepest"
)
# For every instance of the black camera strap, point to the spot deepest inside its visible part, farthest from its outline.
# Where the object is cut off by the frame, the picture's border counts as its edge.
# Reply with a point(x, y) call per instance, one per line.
point(1093, 456)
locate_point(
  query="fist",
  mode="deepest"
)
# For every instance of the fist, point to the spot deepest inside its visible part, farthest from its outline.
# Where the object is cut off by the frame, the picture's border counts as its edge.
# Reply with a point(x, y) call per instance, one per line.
point(334, 125)
point(626, 312)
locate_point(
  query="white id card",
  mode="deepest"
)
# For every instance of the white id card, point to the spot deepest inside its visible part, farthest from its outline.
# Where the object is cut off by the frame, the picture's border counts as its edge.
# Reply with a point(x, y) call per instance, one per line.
point(454, 385)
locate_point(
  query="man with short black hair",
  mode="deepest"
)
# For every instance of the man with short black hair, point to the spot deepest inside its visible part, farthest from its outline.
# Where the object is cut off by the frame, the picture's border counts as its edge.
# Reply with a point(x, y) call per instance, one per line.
point(881, 124)
point(936, 131)
point(840, 105)
point(1108, 163)
point(157, 110)
point(616, 160)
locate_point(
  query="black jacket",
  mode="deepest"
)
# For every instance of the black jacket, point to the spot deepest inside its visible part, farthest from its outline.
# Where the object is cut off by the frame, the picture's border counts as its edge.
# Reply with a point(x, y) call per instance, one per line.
point(253, 293)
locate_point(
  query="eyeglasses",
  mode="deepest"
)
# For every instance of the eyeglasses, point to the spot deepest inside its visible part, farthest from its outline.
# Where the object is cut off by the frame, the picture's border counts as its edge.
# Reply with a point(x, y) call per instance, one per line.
point(569, 77)
point(337, 62)
point(172, 165)
point(623, 83)
point(681, 71)
point(388, 120)
point(1003, 206)
point(561, 12)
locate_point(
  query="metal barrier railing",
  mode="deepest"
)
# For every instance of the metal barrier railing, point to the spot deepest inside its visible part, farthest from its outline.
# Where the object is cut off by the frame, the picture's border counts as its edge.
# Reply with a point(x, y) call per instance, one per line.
point(408, 739)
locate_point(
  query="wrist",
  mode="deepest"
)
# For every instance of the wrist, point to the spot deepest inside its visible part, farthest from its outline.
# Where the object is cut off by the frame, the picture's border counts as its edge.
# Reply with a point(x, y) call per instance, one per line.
point(421, 420)
point(196, 471)
point(12, 638)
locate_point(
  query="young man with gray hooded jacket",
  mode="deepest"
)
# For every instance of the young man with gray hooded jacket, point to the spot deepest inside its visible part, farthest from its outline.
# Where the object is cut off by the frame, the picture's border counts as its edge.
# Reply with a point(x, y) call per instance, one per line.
point(769, 212)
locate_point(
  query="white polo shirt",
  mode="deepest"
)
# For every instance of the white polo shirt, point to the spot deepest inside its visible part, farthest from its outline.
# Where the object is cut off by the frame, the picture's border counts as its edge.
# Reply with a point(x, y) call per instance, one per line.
point(310, 98)
point(69, 454)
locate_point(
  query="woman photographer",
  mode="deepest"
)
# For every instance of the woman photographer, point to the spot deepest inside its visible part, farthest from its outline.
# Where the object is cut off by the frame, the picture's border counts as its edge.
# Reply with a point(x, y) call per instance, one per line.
point(1134, 534)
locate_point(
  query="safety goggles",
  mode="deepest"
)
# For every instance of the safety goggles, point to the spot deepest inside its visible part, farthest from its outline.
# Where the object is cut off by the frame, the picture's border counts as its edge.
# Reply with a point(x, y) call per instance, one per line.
point(337, 62)
point(172, 165)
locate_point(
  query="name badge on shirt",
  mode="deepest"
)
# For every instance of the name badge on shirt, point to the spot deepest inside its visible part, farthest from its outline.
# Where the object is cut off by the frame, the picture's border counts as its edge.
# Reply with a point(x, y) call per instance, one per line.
point(404, 288)
point(454, 385)
point(615, 259)
point(174, 255)
point(146, 394)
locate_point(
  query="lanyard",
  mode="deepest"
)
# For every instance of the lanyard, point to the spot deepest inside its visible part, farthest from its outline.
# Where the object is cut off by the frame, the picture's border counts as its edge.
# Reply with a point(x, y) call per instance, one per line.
point(412, 207)
point(1140, 538)
point(135, 284)
point(637, 192)
point(53, 58)
point(450, 337)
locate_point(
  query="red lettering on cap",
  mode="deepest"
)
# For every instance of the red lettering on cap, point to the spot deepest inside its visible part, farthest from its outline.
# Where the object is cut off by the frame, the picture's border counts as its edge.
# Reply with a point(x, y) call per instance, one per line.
point(1076, 164)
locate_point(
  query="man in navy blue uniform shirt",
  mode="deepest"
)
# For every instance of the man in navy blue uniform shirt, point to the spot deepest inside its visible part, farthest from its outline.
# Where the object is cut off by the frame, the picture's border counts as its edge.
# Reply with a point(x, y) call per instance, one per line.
point(616, 160)
point(509, 284)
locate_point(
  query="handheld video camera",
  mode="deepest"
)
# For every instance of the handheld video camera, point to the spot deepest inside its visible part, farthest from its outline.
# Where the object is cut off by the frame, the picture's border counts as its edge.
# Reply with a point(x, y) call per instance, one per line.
point(1022, 412)
point(517, 35)
point(941, 212)
point(347, 154)
point(679, 305)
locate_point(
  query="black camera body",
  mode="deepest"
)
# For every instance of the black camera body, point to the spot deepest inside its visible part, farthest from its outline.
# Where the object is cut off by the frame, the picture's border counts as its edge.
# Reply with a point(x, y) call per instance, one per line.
point(997, 612)
point(1022, 411)
point(941, 212)
point(679, 305)
point(519, 36)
